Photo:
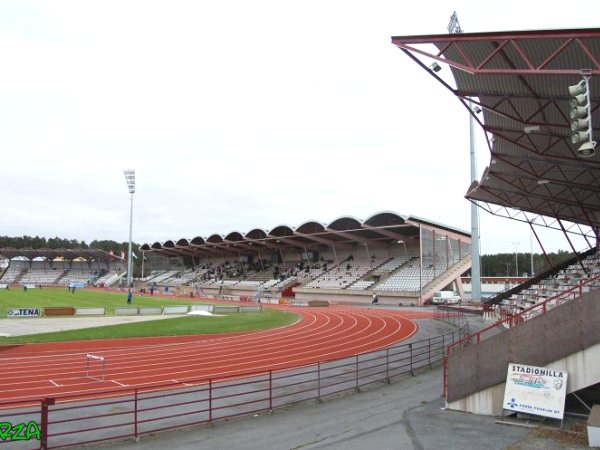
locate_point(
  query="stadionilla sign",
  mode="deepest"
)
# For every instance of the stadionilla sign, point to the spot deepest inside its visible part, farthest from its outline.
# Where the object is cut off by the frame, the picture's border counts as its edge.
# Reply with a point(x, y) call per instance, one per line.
point(23, 312)
point(535, 390)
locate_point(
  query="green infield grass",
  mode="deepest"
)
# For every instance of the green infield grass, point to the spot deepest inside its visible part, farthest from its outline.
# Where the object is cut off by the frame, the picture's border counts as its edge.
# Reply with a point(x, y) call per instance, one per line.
point(175, 326)
point(82, 298)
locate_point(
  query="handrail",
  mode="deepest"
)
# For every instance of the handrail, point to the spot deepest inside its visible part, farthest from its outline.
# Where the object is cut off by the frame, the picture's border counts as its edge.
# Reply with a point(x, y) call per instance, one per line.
point(512, 320)
point(540, 276)
point(521, 314)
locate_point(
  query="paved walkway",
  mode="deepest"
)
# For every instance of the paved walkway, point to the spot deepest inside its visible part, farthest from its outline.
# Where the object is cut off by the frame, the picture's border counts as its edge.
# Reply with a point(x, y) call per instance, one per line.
point(405, 415)
point(20, 327)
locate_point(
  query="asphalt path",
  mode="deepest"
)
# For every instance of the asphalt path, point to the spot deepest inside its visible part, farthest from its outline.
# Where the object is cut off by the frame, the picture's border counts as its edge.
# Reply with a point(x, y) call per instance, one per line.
point(25, 326)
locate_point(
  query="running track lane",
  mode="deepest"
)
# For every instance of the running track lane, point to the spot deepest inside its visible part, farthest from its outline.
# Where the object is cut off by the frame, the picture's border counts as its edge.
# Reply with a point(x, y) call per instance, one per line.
point(36, 370)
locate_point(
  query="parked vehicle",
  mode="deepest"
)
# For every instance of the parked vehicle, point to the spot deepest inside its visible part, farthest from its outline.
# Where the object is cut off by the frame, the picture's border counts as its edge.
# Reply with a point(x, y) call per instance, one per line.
point(445, 298)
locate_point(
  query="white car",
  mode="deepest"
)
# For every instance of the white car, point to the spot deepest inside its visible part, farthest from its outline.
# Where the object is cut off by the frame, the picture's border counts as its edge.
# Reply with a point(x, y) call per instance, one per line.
point(445, 298)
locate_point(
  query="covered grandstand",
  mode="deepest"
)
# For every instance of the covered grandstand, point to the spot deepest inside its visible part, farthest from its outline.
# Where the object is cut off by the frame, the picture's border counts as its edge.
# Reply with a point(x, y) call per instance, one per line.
point(59, 267)
point(400, 258)
point(539, 174)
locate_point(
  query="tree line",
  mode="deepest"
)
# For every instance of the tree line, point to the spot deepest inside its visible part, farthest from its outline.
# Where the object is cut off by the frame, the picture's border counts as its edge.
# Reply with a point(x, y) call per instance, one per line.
point(36, 243)
point(506, 264)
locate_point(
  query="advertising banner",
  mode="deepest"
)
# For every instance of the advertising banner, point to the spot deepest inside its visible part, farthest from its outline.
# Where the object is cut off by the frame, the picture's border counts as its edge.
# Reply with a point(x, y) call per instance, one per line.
point(23, 312)
point(535, 390)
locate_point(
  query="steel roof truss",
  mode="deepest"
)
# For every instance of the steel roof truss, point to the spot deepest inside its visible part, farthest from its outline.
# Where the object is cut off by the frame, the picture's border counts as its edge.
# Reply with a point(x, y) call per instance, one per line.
point(550, 200)
point(324, 241)
point(538, 219)
point(456, 41)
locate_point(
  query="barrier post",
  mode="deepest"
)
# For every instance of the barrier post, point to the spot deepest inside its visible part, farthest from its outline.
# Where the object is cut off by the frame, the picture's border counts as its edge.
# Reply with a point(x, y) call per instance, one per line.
point(387, 365)
point(210, 400)
point(410, 347)
point(319, 381)
point(135, 414)
point(445, 385)
point(44, 428)
point(443, 347)
point(356, 388)
point(429, 350)
point(270, 391)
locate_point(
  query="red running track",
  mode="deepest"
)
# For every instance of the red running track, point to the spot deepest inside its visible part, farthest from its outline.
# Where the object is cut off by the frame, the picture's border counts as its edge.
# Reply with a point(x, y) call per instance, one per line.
point(36, 370)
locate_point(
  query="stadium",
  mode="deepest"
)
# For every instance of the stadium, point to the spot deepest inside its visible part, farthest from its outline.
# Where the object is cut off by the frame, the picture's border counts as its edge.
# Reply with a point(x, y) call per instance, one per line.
point(342, 347)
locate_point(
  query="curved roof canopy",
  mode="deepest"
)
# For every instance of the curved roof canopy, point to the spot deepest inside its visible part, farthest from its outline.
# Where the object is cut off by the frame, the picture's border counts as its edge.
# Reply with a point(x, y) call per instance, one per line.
point(51, 253)
point(344, 233)
point(520, 80)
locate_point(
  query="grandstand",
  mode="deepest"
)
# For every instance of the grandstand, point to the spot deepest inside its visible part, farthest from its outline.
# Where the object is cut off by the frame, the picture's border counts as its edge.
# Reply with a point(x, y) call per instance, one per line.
point(402, 258)
point(60, 267)
point(539, 174)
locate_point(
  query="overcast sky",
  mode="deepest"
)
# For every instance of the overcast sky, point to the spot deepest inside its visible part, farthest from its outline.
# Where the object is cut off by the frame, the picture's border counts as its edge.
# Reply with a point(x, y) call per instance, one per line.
point(238, 115)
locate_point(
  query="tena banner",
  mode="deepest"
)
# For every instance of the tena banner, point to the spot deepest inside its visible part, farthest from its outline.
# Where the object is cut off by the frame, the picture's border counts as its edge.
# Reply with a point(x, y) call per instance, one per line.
point(23, 312)
point(535, 390)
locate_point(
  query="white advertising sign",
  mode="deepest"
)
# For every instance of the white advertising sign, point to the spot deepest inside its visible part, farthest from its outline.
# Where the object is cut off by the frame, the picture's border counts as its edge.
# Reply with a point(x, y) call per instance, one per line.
point(23, 312)
point(535, 390)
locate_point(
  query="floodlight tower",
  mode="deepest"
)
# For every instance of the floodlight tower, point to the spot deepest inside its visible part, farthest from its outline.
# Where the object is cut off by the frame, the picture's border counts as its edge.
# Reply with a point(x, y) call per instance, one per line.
point(454, 27)
point(130, 178)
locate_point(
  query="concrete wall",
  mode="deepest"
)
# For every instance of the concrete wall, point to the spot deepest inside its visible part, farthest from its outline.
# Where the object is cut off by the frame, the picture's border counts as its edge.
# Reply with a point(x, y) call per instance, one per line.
point(564, 335)
point(354, 297)
point(582, 368)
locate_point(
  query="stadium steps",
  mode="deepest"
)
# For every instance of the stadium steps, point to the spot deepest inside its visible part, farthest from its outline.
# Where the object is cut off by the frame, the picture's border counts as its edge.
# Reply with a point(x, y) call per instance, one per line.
point(395, 272)
point(567, 337)
point(369, 275)
point(444, 279)
point(20, 275)
point(61, 276)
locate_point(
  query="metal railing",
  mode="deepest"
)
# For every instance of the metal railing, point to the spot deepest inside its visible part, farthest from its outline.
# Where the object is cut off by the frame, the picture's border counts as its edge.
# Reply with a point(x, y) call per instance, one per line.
point(122, 413)
point(540, 276)
point(510, 320)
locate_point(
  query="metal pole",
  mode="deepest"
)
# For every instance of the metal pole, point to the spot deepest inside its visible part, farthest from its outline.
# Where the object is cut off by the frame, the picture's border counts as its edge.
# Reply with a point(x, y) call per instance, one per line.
point(270, 391)
point(210, 400)
point(420, 265)
point(475, 261)
point(44, 425)
point(130, 179)
point(356, 389)
point(129, 261)
point(318, 381)
point(135, 414)
point(516, 259)
point(531, 272)
point(454, 28)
